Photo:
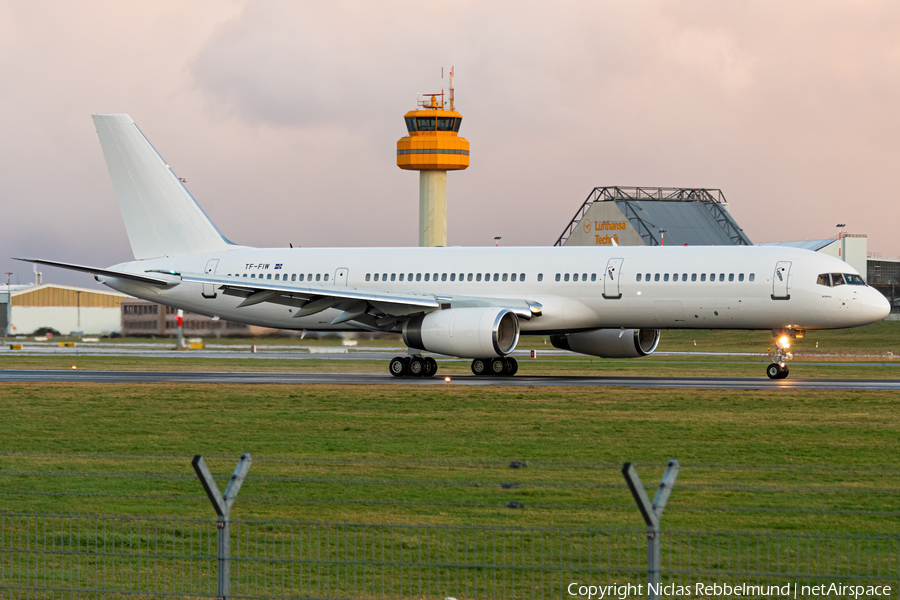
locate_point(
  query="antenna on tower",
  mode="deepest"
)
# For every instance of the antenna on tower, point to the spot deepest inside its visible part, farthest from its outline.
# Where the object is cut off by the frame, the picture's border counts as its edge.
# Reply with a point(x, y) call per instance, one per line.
point(452, 102)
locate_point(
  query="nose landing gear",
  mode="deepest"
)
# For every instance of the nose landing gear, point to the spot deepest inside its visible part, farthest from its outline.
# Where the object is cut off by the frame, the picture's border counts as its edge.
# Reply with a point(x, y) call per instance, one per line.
point(778, 369)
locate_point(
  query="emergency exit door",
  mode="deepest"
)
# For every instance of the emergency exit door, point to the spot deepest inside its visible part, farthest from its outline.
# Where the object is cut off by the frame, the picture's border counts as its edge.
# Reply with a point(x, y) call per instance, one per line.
point(612, 278)
point(209, 290)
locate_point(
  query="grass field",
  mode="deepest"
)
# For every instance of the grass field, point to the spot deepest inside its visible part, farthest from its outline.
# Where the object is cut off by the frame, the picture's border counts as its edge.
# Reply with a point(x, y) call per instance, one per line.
point(787, 461)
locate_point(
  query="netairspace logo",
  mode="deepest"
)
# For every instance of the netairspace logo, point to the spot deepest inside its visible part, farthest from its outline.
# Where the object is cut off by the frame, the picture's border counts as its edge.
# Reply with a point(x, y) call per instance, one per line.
point(721, 590)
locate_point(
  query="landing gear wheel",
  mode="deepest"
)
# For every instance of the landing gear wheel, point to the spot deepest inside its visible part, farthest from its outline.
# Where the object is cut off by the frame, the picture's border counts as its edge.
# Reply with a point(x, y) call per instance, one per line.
point(417, 366)
point(430, 367)
point(777, 371)
point(512, 366)
point(399, 366)
point(497, 367)
point(479, 367)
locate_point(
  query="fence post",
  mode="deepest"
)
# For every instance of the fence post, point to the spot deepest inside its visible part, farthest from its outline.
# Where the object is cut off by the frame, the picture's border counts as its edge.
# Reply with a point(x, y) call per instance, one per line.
point(652, 514)
point(222, 505)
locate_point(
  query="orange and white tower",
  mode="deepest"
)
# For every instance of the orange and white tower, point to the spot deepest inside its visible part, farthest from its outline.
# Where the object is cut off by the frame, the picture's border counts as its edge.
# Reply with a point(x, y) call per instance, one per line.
point(432, 148)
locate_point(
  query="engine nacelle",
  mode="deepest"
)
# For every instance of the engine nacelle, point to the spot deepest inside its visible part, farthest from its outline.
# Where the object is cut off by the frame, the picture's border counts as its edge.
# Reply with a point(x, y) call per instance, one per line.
point(466, 332)
point(610, 343)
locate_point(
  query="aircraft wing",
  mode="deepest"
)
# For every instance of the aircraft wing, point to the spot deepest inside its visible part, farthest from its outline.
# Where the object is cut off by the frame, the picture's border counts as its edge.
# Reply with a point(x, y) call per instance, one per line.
point(375, 308)
point(97, 271)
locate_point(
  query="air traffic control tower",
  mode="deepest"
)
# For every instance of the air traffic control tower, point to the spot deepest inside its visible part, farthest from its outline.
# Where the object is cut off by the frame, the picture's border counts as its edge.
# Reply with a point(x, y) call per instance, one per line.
point(432, 148)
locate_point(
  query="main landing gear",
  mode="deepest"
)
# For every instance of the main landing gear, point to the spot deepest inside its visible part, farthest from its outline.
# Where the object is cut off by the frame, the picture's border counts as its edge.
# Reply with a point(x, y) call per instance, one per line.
point(505, 366)
point(413, 366)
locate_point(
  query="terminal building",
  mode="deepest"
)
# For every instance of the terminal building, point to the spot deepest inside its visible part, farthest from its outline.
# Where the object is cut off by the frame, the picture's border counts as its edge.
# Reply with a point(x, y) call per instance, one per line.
point(140, 318)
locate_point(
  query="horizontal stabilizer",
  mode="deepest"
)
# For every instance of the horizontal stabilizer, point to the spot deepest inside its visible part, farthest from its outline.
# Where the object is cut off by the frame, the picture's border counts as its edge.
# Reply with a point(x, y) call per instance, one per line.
point(97, 271)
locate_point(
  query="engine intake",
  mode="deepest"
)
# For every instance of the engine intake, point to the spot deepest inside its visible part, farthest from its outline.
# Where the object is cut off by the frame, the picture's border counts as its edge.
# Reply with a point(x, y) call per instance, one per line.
point(610, 343)
point(466, 332)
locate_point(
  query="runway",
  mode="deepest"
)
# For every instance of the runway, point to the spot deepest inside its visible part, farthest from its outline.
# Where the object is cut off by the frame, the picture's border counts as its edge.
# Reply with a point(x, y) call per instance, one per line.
point(724, 383)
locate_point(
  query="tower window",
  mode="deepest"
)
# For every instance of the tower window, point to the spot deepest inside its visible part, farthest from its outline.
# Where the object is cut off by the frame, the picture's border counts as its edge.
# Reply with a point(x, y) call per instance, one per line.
point(425, 123)
point(410, 124)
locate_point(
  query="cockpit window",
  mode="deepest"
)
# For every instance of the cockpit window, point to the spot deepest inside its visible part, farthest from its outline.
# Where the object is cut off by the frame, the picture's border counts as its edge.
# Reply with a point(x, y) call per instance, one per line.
point(833, 279)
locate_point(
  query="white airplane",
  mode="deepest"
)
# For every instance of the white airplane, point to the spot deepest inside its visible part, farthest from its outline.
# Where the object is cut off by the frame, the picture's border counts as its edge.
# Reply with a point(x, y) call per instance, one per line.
point(468, 302)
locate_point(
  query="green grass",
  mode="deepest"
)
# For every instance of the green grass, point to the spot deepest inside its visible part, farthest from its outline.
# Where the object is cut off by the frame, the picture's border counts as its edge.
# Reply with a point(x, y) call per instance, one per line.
point(439, 454)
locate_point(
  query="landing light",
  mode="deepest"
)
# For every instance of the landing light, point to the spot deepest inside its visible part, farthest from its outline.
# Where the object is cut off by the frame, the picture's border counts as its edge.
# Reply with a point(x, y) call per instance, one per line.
point(784, 342)
point(447, 379)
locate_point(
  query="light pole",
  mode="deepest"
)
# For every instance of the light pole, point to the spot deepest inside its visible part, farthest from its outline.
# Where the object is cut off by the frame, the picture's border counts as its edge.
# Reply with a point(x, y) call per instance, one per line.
point(497, 240)
point(842, 254)
point(662, 237)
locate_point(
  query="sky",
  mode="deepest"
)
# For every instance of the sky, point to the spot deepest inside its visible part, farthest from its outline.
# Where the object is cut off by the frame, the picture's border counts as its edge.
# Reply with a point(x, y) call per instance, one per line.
point(283, 116)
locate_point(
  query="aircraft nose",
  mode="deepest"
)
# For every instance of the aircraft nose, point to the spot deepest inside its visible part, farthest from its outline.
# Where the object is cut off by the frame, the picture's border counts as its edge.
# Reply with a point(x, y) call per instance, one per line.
point(875, 307)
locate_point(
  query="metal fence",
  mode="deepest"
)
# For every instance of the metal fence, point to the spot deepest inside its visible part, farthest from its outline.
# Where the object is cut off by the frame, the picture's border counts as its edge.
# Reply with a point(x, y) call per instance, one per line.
point(52, 556)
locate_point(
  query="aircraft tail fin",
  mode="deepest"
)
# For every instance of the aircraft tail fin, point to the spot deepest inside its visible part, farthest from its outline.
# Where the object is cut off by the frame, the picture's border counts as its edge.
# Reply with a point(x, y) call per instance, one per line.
point(161, 217)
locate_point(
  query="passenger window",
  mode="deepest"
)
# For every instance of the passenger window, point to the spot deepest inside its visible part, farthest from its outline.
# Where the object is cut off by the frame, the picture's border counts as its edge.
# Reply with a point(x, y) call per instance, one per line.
point(540, 276)
point(837, 279)
point(504, 277)
point(469, 277)
point(575, 277)
point(513, 278)
point(665, 277)
point(301, 276)
point(477, 276)
point(409, 277)
point(401, 276)
point(721, 276)
point(444, 277)
point(638, 277)
point(656, 277)
point(462, 276)
point(434, 277)
point(647, 277)
point(427, 276)
point(384, 277)
point(740, 277)
point(752, 276)
point(318, 277)
point(584, 276)
point(452, 276)
point(276, 276)
point(702, 276)
point(693, 277)
point(496, 276)
point(684, 276)
point(731, 277)
point(252, 275)
point(376, 276)
point(594, 277)
point(244, 275)
point(557, 276)
point(418, 277)
point(566, 278)
point(269, 276)
point(326, 276)
point(393, 277)
point(309, 277)
point(294, 277)
point(521, 277)
point(368, 276)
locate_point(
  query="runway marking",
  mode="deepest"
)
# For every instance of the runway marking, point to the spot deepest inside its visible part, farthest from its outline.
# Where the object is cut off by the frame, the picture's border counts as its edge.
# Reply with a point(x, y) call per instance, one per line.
point(730, 383)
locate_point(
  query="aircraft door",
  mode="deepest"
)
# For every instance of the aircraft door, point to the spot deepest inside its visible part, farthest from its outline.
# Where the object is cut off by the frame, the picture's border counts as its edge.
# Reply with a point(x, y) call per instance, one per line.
point(209, 290)
point(612, 278)
point(340, 277)
point(781, 289)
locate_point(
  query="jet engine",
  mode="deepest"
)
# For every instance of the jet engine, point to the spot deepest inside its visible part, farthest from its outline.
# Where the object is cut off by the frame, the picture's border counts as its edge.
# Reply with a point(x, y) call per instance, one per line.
point(466, 332)
point(610, 343)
